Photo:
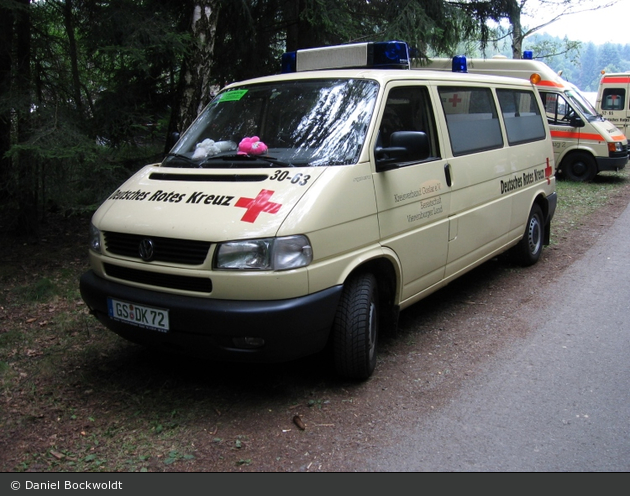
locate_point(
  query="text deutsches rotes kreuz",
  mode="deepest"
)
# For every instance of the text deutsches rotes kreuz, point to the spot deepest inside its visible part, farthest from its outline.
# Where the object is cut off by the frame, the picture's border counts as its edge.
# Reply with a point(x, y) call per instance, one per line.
point(197, 197)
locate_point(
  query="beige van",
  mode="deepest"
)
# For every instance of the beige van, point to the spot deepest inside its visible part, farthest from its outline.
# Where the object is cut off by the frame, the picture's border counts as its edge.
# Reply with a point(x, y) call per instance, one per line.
point(585, 143)
point(305, 210)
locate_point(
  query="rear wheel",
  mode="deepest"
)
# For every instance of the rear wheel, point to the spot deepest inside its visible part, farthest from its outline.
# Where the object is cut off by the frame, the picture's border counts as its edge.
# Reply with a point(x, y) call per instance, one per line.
point(528, 250)
point(355, 331)
point(579, 167)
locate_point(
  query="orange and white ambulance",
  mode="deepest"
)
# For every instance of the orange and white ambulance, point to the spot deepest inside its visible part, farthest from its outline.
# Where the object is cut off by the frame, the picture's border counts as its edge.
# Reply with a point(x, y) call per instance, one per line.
point(613, 99)
point(305, 210)
point(585, 143)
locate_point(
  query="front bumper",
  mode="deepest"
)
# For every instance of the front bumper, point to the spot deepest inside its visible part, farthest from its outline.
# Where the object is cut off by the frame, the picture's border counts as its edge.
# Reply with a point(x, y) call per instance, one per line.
point(207, 327)
point(611, 163)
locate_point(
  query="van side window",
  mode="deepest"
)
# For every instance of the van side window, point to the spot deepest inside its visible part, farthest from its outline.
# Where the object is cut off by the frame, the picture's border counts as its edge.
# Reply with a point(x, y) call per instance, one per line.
point(614, 99)
point(558, 110)
point(521, 114)
point(408, 108)
point(472, 119)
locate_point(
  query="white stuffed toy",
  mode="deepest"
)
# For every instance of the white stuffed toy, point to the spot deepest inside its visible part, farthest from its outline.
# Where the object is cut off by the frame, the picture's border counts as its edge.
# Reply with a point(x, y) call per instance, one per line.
point(209, 147)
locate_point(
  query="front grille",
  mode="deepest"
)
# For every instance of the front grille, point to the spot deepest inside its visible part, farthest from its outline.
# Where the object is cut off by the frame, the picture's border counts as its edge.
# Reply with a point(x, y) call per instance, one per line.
point(180, 251)
point(197, 284)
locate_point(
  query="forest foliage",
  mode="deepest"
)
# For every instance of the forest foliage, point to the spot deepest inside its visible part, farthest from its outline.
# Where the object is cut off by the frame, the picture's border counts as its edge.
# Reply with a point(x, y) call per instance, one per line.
point(90, 91)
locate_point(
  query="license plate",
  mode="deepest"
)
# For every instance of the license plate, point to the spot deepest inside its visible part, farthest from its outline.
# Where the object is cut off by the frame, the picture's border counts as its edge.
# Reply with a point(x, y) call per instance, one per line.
point(138, 315)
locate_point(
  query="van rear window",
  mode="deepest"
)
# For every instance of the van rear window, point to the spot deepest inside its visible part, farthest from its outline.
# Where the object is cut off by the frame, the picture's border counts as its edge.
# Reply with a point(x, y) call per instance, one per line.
point(472, 120)
point(614, 99)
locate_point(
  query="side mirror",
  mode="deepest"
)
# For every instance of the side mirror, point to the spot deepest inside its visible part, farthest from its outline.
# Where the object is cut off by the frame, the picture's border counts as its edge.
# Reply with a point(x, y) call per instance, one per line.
point(172, 139)
point(577, 122)
point(405, 146)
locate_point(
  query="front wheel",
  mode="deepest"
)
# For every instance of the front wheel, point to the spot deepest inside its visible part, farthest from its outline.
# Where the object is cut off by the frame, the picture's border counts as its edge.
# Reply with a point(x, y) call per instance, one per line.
point(579, 167)
point(527, 252)
point(355, 330)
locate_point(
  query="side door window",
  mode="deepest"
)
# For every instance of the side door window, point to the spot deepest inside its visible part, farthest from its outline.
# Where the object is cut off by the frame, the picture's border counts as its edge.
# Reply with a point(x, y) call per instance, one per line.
point(407, 132)
point(557, 109)
point(521, 114)
point(471, 118)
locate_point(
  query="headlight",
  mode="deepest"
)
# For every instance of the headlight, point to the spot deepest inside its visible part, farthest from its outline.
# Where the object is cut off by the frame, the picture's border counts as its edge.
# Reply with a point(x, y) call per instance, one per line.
point(615, 147)
point(290, 252)
point(95, 239)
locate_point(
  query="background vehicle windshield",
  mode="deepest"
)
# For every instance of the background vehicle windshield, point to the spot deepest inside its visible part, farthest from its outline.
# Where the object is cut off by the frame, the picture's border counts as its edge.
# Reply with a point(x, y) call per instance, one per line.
point(579, 101)
point(299, 123)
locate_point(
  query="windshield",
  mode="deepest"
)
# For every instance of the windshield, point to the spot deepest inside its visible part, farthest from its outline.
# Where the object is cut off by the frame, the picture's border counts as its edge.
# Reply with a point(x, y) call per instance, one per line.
point(291, 123)
point(582, 104)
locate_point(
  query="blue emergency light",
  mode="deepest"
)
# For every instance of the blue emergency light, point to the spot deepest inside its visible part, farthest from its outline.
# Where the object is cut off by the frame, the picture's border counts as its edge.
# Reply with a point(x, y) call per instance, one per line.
point(528, 55)
point(373, 55)
point(460, 64)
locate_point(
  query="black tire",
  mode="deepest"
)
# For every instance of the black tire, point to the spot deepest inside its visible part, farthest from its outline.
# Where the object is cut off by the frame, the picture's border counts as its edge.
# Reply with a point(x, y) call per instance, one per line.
point(527, 252)
point(579, 167)
point(355, 330)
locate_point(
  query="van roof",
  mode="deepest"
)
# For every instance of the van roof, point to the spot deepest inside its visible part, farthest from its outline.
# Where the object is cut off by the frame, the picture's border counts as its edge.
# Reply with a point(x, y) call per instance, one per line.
point(505, 67)
point(609, 75)
point(384, 76)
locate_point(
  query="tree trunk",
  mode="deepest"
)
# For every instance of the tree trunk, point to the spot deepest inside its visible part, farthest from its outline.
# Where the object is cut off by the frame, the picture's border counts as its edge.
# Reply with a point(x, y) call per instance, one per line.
point(6, 42)
point(517, 34)
point(26, 190)
point(195, 81)
point(72, 49)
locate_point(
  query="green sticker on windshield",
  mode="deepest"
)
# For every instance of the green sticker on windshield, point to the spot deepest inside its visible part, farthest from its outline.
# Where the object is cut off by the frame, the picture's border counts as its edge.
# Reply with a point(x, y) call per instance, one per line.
point(232, 96)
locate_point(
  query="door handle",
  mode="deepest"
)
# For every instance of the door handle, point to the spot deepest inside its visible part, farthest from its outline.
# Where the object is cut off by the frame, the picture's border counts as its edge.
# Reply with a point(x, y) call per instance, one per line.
point(447, 173)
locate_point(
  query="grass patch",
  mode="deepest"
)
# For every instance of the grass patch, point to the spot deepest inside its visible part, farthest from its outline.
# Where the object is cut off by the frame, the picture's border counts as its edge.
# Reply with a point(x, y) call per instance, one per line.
point(576, 201)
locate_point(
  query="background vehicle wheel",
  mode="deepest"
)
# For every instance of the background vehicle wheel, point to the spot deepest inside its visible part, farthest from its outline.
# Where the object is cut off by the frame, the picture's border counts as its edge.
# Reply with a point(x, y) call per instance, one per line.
point(355, 330)
point(527, 252)
point(579, 167)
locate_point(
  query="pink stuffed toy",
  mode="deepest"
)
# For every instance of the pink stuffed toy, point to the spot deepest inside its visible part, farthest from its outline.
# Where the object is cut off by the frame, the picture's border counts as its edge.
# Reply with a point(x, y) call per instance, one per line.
point(252, 146)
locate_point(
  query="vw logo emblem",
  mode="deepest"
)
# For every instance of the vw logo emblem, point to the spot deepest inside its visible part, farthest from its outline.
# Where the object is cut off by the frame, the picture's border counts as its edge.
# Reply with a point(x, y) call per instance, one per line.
point(146, 249)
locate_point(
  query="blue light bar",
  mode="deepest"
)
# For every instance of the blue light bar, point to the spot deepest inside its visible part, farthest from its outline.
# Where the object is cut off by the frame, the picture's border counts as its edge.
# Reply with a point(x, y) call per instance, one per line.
point(390, 55)
point(381, 55)
point(460, 64)
point(289, 62)
point(528, 55)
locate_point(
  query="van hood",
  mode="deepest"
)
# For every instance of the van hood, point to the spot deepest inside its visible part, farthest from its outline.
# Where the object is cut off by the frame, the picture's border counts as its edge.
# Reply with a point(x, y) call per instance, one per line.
point(205, 204)
point(612, 131)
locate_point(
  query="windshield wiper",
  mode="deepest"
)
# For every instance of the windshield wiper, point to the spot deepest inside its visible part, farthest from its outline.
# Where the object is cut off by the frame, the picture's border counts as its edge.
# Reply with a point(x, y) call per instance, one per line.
point(175, 157)
point(247, 159)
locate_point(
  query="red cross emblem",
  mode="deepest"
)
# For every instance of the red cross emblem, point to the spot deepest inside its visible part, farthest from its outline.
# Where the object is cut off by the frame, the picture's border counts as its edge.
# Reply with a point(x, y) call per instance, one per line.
point(256, 205)
point(455, 100)
point(548, 172)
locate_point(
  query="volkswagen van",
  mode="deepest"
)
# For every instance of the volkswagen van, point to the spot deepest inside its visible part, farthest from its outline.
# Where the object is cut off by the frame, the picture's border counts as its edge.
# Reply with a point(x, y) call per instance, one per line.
point(303, 211)
point(585, 143)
